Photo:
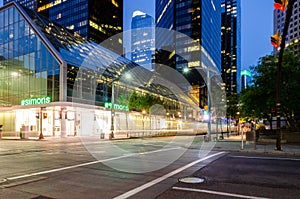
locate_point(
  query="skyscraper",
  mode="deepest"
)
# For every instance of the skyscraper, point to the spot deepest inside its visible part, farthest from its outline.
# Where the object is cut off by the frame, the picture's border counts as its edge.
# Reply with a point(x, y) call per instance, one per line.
point(246, 77)
point(231, 45)
point(142, 39)
point(199, 20)
point(31, 4)
point(94, 20)
point(293, 33)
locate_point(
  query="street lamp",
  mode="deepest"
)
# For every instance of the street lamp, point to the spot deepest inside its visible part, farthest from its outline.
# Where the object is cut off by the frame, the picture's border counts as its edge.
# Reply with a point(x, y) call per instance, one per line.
point(209, 100)
point(113, 111)
point(112, 127)
point(143, 113)
point(208, 84)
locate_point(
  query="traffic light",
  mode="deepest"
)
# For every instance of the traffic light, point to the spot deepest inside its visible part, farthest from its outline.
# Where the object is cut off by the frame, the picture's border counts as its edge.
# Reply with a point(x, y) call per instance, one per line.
point(113, 113)
point(205, 115)
point(280, 4)
point(44, 115)
point(275, 40)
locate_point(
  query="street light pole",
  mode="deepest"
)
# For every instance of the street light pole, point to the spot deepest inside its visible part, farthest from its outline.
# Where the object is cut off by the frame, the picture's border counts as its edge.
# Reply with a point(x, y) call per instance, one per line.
point(112, 127)
point(41, 136)
point(143, 120)
point(209, 106)
point(279, 73)
point(209, 100)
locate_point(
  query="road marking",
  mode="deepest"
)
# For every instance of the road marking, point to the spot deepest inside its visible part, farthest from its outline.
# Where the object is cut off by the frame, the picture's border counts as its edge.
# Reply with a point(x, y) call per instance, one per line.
point(217, 193)
point(264, 158)
point(156, 181)
point(87, 163)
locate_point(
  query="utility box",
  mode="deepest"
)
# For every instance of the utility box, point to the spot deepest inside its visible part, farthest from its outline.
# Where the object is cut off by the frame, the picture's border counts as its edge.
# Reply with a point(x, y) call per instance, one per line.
point(250, 136)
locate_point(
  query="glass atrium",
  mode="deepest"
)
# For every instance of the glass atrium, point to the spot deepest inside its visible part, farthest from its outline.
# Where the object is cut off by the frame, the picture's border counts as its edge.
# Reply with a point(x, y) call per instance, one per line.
point(56, 83)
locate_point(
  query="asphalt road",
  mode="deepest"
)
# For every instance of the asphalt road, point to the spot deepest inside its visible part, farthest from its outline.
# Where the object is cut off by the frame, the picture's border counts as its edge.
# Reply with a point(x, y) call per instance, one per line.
point(140, 168)
point(243, 175)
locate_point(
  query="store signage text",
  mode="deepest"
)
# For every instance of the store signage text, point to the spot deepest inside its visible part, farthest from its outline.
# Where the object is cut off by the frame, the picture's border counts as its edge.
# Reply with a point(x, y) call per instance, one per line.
point(34, 101)
point(116, 106)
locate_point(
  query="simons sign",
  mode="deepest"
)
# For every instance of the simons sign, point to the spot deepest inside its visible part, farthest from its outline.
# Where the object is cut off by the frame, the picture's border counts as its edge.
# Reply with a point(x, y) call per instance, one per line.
point(33, 101)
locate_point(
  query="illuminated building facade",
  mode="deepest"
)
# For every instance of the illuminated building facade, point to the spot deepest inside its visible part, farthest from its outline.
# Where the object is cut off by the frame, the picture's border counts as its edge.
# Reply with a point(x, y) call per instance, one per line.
point(53, 82)
point(31, 4)
point(142, 39)
point(201, 21)
point(94, 20)
point(231, 46)
point(246, 77)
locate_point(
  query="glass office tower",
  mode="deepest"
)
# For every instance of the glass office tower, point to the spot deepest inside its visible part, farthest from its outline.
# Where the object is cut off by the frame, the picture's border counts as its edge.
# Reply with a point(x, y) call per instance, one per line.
point(142, 39)
point(94, 20)
point(231, 46)
point(31, 4)
point(200, 21)
point(246, 77)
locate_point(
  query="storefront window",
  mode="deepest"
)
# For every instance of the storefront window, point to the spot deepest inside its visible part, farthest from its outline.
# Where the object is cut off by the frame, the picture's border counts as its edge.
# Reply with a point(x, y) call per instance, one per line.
point(28, 69)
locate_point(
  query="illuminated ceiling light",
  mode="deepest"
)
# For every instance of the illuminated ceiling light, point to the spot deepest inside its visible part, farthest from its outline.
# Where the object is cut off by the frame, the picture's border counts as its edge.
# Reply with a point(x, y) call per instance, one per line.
point(185, 70)
point(15, 74)
point(128, 76)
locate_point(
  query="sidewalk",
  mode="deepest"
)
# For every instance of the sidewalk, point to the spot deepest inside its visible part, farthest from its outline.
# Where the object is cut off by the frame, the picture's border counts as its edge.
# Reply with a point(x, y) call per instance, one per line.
point(234, 143)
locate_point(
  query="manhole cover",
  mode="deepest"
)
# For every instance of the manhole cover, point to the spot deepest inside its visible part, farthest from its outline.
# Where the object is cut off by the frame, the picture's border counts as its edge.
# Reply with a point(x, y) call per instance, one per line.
point(191, 180)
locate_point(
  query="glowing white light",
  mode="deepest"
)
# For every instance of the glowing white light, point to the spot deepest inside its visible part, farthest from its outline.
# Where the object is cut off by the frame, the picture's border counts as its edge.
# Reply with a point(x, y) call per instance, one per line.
point(205, 117)
point(15, 74)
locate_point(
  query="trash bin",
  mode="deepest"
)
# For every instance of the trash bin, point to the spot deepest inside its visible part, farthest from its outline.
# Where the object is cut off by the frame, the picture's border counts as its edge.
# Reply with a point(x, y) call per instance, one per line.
point(25, 135)
point(24, 132)
point(101, 135)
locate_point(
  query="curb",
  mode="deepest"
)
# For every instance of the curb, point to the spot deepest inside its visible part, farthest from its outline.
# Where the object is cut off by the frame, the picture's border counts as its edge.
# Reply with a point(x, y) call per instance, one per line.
point(260, 152)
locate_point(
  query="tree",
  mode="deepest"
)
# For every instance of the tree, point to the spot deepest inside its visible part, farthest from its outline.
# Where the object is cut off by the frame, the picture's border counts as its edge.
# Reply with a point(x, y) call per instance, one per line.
point(232, 108)
point(259, 100)
point(123, 99)
point(140, 102)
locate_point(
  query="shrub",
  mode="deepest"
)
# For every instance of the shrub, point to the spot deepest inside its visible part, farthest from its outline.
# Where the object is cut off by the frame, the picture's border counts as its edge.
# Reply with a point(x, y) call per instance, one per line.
point(260, 127)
